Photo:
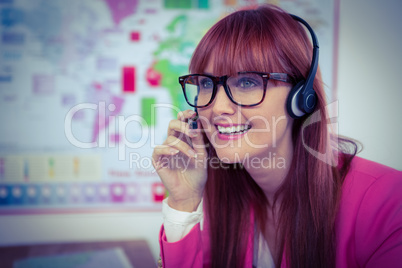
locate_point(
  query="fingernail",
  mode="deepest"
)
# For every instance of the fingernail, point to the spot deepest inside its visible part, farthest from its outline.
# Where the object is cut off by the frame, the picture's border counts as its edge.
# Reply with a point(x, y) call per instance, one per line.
point(174, 151)
point(192, 153)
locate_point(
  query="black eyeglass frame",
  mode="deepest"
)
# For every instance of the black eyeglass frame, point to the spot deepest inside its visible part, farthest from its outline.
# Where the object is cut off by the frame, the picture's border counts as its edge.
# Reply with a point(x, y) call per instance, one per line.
point(221, 80)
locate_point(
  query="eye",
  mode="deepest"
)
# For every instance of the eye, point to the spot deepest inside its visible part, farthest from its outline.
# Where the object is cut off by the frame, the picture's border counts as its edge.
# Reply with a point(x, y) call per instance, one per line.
point(246, 82)
point(206, 83)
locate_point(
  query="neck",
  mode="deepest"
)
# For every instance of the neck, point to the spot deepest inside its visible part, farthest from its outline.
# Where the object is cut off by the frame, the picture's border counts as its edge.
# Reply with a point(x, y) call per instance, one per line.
point(273, 170)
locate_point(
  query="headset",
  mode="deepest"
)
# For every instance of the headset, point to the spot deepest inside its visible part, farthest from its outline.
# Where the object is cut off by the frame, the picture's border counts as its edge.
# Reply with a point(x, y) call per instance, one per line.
point(302, 97)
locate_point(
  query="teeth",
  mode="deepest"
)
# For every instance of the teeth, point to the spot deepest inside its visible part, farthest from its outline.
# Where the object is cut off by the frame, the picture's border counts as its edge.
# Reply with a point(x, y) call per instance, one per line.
point(230, 130)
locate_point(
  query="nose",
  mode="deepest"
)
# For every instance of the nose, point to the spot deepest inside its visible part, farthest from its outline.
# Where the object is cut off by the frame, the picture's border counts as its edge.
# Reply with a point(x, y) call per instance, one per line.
point(222, 104)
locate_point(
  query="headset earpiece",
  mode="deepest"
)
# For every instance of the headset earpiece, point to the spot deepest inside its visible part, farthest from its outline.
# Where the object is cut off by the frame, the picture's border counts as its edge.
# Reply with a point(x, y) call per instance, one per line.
point(299, 104)
point(292, 104)
point(302, 98)
point(309, 100)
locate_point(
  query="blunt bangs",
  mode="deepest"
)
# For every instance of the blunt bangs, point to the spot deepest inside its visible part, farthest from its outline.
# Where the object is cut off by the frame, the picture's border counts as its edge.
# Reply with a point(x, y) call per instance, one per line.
point(241, 42)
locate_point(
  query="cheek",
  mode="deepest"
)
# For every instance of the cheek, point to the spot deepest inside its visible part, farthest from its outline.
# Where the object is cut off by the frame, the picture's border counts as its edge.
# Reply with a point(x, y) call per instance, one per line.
point(274, 104)
point(204, 119)
point(273, 121)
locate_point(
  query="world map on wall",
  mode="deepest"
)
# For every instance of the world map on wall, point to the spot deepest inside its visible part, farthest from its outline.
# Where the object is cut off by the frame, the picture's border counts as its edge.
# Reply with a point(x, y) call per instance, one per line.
point(87, 89)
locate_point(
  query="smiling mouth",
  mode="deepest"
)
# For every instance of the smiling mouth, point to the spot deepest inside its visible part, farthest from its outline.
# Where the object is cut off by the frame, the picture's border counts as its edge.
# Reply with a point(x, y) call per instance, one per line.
point(233, 130)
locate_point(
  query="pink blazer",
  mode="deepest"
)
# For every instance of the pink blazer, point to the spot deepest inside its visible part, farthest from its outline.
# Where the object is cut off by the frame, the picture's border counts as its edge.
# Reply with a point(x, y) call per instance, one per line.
point(368, 227)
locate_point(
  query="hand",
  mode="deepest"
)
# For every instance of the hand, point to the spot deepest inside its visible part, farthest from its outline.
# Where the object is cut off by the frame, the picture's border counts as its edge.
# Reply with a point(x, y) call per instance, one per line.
point(181, 163)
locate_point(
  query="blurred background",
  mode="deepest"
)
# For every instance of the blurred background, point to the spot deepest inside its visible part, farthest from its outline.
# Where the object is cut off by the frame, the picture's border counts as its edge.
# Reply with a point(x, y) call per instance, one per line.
point(87, 89)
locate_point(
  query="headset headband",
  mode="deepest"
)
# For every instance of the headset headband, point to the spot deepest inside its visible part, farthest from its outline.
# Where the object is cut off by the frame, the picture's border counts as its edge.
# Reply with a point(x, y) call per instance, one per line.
point(307, 89)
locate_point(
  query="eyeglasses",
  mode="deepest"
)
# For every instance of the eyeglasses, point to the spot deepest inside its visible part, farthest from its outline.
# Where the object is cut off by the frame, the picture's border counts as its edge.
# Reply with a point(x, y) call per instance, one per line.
point(245, 89)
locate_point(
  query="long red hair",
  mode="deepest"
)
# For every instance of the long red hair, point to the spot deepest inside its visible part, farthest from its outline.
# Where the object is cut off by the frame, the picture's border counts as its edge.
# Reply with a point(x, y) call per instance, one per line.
point(268, 39)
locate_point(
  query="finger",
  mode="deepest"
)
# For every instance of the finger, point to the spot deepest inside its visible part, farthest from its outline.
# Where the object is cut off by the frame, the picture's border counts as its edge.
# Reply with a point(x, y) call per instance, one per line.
point(161, 151)
point(179, 128)
point(182, 146)
point(185, 115)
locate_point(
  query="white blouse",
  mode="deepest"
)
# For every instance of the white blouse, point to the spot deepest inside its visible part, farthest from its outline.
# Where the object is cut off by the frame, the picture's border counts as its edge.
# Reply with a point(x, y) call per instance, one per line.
point(178, 224)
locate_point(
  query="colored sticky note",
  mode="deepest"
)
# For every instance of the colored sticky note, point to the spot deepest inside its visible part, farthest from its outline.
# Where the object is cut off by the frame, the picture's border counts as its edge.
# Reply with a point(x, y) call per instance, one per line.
point(146, 111)
point(135, 36)
point(128, 78)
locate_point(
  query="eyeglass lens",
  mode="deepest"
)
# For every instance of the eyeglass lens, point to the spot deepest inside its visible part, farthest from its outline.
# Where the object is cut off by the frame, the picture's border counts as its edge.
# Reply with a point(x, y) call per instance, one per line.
point(245, 89)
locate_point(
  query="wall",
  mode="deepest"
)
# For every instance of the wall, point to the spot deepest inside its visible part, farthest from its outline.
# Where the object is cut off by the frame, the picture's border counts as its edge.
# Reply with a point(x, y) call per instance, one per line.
point(369, 110)
point(369, 72)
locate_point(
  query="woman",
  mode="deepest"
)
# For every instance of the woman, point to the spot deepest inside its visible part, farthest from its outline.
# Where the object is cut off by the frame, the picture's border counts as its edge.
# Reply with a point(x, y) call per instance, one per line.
point(256, 185)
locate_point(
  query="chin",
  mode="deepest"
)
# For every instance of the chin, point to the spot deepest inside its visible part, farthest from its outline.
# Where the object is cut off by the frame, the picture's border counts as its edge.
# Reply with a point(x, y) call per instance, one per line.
point(230, 157)
point(227, 160)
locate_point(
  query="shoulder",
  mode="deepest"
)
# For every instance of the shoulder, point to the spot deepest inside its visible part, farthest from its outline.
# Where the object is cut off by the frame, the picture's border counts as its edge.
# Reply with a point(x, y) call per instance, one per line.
point(361, 167)
point(365, 174)
point(370, 183)
point(370, 213)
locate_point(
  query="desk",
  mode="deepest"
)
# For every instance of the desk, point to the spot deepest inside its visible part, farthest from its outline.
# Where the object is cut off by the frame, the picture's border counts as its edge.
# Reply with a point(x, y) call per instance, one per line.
point(137, 251)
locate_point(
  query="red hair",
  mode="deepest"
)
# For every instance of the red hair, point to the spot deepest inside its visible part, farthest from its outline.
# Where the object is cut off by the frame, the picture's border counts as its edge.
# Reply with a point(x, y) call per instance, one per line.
point(268, 39)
